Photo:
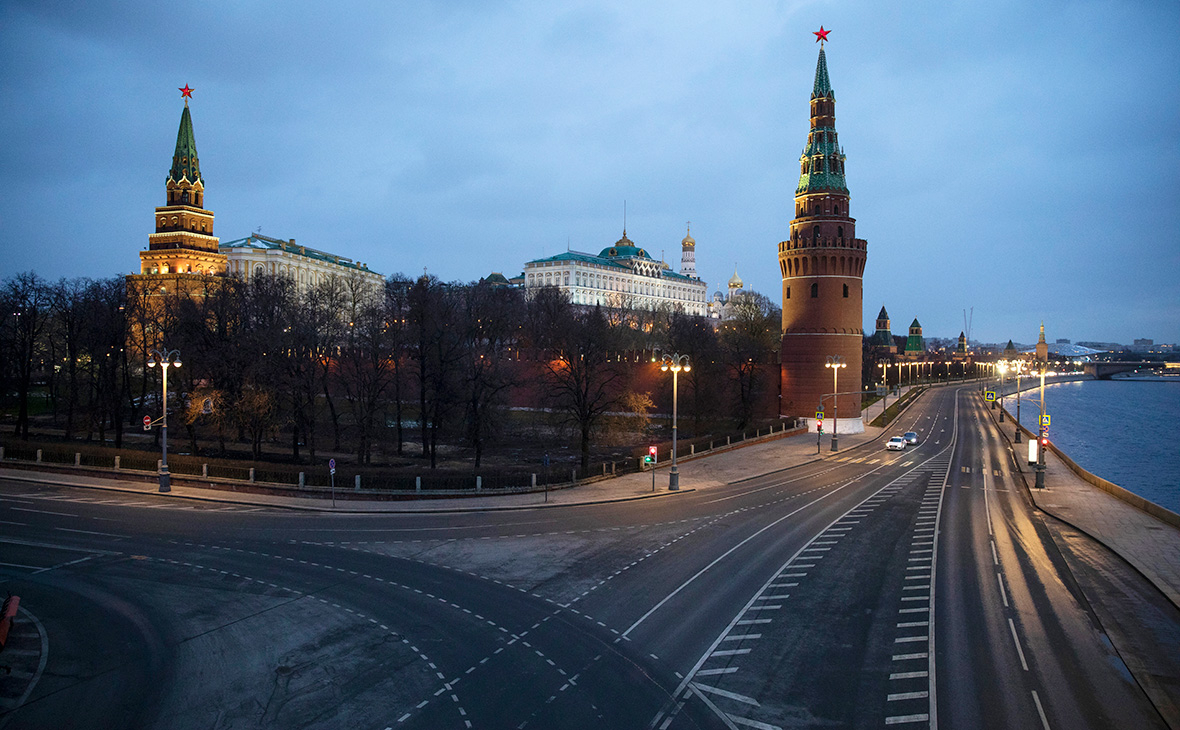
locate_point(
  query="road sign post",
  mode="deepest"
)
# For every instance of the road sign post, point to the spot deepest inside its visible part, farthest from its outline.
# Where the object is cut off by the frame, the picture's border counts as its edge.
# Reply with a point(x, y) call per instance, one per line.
point(147, 423)
point(651, 458)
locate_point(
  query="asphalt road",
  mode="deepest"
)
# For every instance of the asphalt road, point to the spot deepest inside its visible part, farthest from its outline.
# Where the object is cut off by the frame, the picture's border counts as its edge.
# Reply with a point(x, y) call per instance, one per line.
point(875, 588)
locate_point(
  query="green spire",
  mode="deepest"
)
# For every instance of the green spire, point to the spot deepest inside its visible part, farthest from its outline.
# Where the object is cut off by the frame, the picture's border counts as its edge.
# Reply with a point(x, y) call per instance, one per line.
point(184, 160)
point(822, 160)
point(823, 87)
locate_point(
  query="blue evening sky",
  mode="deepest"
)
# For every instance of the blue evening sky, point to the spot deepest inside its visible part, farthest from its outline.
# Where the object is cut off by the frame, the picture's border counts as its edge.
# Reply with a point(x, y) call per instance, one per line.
point(1020, 158)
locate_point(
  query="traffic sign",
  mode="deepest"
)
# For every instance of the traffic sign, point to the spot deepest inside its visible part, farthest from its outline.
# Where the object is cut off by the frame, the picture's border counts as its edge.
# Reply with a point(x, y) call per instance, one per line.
point(989, 395)
point(1045, 420)
point(819, 415)
point(147, 423)
point(331, 466)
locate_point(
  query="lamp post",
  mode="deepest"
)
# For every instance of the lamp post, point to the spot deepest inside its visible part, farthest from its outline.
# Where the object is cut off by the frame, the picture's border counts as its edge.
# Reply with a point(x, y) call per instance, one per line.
point(884, 384)
point(1018, 366)
point(1040, 468)
point(835, 362)
point(165, 359)
point(1003, 368)
point(675, 363)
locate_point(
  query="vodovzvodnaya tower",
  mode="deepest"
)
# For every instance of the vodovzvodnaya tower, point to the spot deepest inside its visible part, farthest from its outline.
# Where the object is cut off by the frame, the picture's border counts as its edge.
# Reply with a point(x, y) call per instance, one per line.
point(821, 266)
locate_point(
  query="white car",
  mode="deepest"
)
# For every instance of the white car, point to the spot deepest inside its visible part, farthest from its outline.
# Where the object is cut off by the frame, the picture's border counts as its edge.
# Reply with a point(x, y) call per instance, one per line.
point(897, 443)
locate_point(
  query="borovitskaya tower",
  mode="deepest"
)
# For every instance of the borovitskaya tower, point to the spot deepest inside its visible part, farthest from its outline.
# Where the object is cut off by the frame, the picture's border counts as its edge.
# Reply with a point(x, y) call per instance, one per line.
point(822, 265)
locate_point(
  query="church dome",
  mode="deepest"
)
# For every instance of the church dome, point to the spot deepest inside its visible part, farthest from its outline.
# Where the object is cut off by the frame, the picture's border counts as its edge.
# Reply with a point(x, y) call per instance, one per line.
point(623, 248)
point(735, 281)
point(688, 241)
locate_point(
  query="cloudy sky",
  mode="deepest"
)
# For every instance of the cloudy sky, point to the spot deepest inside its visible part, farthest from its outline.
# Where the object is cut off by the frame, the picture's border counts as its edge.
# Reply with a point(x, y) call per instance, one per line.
point(1017, 158)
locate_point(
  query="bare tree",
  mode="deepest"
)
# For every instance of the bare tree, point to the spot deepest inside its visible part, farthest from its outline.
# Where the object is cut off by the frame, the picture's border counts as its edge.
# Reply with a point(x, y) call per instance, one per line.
point(491, 320)
point(583, 375)
point(748, 340)
point(26, 312)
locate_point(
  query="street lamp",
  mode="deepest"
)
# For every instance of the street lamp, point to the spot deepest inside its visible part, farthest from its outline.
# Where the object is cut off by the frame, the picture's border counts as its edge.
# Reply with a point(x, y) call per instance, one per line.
point(1003, 368)
point(884, 384)
point(1040, 468)
point(835, 362)
point(675, 363)
point(1018, 366)
point(165, 359)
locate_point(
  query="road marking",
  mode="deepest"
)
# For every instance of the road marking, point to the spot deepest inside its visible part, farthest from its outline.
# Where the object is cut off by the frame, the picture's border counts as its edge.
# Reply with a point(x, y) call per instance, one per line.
point(41, 511)
point(730, 652)
point(90, 532)
point(712, 672)
point(723, 693)
point(1016, 641)
point(905, 719)
point(1003, 593)
point(1040, 710)
point(752, 723)
point(907, 696)
point(915, 655)
point(909, 675)
point(910, 639)
point(739, 637)
point(726, 554)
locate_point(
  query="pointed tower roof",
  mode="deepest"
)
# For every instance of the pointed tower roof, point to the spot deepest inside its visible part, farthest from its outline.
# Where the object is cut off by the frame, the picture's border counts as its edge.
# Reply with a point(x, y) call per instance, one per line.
point(883, 314)
point(184, 160)
point(916, 323)
point(822, 159)
point(823, 86)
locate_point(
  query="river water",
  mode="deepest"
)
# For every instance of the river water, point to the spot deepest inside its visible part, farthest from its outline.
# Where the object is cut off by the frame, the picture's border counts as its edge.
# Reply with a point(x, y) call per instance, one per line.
point(1125, 431)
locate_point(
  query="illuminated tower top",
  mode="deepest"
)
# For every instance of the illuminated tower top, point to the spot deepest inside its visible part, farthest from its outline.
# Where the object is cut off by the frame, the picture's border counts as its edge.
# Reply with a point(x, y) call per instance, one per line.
point(822, 160)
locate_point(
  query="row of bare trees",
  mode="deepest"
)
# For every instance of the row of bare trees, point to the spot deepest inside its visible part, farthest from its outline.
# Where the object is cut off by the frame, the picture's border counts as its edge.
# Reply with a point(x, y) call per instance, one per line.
point(347, 366)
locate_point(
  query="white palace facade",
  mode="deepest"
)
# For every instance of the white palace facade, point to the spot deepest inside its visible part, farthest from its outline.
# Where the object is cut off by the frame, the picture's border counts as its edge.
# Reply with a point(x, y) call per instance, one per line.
point(257, 255)
point(622, 275)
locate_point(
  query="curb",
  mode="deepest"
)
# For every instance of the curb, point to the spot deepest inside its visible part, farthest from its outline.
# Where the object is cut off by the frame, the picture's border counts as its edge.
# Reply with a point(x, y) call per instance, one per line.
point(330, 510)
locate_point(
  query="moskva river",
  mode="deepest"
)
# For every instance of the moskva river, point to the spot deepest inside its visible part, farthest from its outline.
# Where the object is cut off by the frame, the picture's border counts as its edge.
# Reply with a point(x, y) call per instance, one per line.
point(1126, 431)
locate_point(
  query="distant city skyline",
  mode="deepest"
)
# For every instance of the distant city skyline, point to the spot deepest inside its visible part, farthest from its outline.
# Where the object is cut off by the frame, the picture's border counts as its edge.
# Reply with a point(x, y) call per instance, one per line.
point(991, 150)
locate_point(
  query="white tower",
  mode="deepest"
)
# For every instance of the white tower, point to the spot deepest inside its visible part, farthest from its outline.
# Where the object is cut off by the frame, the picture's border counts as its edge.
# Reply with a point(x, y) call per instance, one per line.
point(688, 256)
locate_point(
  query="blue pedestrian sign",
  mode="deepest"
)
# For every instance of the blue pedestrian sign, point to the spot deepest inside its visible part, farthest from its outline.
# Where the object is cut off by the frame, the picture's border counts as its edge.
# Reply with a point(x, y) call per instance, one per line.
point(989, 395)
point(1045, 420)
point(819, 415)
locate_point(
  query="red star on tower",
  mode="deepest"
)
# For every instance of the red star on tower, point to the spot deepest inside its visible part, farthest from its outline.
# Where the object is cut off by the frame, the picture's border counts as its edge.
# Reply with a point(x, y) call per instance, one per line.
point(186, 93)
point(821, 34)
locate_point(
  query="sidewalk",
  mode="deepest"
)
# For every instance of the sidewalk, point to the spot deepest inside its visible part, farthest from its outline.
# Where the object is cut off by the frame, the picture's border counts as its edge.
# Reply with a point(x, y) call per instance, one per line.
point(743, 461)
point(1149, 544)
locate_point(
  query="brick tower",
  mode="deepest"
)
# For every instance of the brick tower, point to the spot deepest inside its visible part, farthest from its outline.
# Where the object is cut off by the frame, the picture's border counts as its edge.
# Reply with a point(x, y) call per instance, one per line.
point(821, 266)
point(183, 244)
